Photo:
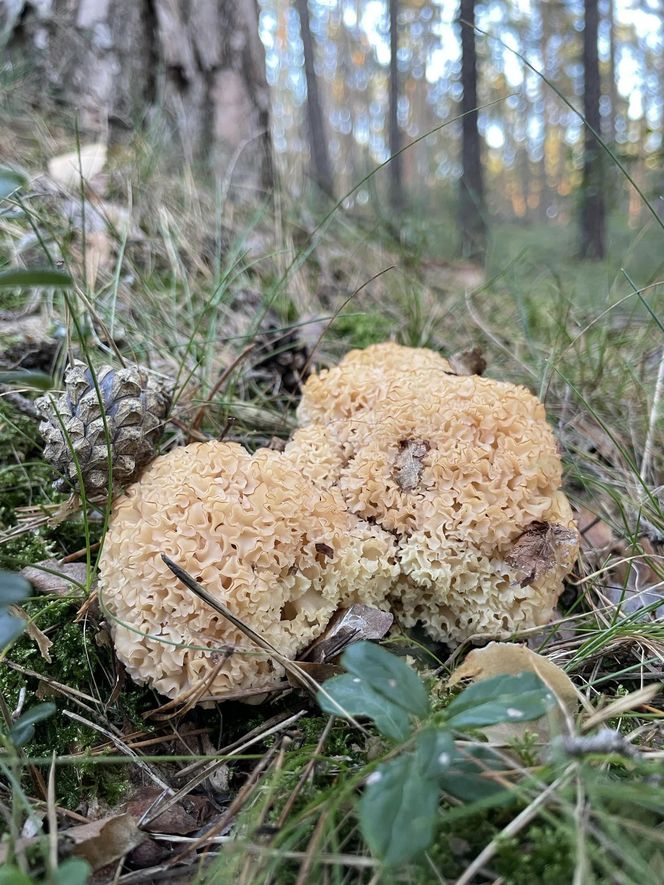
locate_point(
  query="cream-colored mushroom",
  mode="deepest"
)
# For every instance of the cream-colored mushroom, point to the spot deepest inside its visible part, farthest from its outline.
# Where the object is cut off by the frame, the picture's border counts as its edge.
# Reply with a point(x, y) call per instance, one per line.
point(459, 470)
point(274, 548)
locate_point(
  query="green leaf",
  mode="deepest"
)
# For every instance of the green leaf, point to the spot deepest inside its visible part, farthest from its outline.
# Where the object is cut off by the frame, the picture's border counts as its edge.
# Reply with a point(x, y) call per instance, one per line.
point(10, 875)
point(11, 180)
point(74, 871)
point(24, 728)
point(435, 751)
point(19, 278)
point(467, 779)
point(503, 698)
point(27, 378)
point(11, 628)
point(398, 810)
point(13, 589)
point(388, 675)
point(347, 696)
point(379, 686)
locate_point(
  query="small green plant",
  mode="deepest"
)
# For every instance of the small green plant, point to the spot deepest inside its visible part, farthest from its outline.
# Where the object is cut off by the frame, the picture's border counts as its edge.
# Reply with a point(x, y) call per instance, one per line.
point(398, 809)
point(15, 732)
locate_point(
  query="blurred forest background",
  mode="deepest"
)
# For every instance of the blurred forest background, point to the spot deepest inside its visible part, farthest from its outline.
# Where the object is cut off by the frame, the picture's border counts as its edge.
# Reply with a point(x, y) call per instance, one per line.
point(334, 88)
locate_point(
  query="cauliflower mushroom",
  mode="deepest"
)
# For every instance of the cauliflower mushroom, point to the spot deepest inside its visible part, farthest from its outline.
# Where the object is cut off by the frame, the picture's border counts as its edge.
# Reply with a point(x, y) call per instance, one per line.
point(274, 548)
point(465, 473)
point(364, 378)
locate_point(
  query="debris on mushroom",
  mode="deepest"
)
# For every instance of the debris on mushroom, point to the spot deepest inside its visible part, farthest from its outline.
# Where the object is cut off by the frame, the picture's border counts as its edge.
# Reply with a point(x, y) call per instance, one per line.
point(278, 551)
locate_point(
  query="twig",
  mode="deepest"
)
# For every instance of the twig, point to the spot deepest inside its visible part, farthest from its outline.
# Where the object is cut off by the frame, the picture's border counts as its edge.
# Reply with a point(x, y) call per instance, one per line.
point(260, 731)
point(21, 403)
point(308, 769)
point(123, 749)
point(654, 418)
point(300, 675)
point(155, 810)
point(196, 588)
point(226, 819)
point(200, 414)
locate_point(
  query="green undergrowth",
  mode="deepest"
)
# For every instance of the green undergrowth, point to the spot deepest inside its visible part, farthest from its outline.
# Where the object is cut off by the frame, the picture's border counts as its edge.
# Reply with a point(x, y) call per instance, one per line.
point(188, 299)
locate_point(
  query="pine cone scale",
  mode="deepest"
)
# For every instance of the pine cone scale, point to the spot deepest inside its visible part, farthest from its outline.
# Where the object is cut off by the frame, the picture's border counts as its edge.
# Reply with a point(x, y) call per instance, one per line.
point(134, 409)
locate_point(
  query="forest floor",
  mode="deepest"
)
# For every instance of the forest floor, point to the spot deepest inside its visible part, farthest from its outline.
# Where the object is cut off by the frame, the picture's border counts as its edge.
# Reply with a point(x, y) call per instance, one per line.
point(184, 280)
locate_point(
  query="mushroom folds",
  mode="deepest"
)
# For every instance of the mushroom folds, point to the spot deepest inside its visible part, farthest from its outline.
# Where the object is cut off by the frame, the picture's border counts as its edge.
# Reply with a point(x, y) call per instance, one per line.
point(277, 550)
point(457, 469)
point(406, 487)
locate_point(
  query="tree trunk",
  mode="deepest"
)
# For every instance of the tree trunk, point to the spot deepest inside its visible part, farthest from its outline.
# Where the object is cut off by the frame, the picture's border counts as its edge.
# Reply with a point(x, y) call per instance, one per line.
point(396, 166)
point(321, 168)
point(613, 86)
point(118, 63)
point(592, 187)
point(472, 210)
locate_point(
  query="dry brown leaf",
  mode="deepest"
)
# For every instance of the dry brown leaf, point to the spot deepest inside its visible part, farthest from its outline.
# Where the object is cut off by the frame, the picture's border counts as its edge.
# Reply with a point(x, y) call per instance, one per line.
point(468, 362)
point(103, 841)
point(499, 658)
point(67, 169)
point(178, 820)
point(348, 625)
point(316, 671)
point(41, 639)
point(542, 548)
point(97, 255)
point(408, 463)
point(53, 578)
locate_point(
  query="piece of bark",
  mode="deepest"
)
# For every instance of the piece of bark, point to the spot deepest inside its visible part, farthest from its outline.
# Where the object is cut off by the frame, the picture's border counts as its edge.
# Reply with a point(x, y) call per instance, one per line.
point(348, 625)
point(57, 579)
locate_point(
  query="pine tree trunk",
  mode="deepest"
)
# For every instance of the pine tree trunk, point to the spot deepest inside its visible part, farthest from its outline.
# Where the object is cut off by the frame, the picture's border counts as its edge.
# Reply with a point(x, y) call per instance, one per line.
point(321, 168)
point(613, 86)
point(396, 166)
point(120, 63)
point(472, 211)
point(592, 187)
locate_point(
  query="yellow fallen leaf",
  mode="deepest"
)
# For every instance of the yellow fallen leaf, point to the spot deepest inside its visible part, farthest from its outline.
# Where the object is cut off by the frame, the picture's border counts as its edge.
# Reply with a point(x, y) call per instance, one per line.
point(67, 169)
point(500, 658)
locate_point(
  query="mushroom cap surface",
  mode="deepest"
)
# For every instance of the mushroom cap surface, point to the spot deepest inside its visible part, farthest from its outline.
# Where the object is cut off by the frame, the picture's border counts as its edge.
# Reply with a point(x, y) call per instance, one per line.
point(364, 378)
point(261, 537)
point(458, 469)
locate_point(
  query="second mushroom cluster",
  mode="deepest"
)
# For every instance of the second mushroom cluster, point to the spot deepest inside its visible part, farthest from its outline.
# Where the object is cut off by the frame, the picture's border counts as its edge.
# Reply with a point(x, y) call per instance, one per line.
point(406, 488)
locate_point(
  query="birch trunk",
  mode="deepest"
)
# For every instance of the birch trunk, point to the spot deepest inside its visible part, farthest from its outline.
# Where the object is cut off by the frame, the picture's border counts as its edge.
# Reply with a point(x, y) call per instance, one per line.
point(120, 63)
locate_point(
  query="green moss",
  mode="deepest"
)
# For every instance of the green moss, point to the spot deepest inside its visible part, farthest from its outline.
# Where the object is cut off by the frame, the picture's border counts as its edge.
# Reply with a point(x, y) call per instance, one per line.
point(24, 550)
point(362, 329)
point(78, 662)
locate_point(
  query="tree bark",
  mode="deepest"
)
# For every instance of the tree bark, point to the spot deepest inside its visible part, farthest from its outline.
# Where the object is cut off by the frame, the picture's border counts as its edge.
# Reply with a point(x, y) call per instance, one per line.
point(396, 167)
point(321, 168)
point(613, 86)
point(121, 63)
point(592, 188)
point(471, 208)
